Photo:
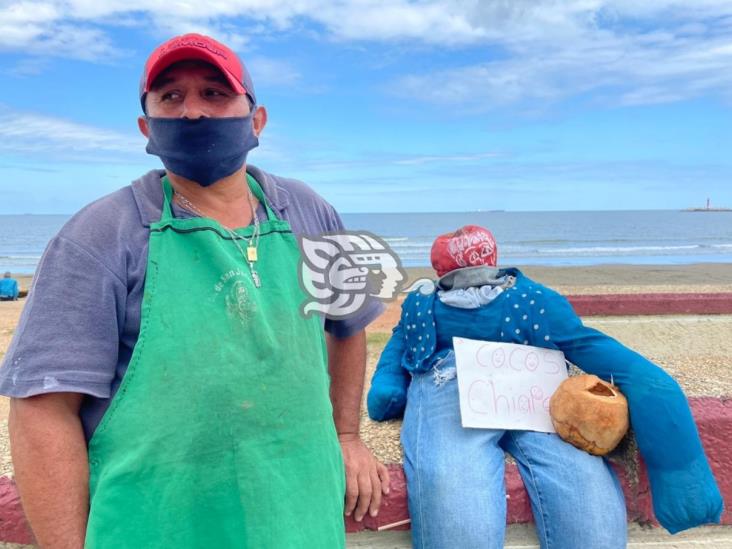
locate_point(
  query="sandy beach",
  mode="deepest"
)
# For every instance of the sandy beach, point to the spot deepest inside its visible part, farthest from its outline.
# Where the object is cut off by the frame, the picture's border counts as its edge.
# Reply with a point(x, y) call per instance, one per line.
point(696, 350)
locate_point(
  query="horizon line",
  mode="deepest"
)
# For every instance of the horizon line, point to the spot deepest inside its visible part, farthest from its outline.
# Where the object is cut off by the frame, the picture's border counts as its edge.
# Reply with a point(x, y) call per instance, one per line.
point(720, 209)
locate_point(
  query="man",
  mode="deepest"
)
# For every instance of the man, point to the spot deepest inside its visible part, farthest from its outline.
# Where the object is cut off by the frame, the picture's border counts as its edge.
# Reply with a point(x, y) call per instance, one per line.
point(181, 357)
point(8, 288)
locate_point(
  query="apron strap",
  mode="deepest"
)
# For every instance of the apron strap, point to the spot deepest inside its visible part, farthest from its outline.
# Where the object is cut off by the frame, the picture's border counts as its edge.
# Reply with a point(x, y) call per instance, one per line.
point(167, 213)
point(254, 186)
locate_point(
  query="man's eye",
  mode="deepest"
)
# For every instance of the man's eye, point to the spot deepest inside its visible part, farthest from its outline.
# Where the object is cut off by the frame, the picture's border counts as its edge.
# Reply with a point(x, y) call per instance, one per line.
point(215, 93)
point(170, 96)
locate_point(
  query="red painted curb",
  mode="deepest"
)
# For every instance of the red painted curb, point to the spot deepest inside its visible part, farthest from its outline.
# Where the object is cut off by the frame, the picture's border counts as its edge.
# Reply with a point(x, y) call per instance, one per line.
point(13, 526)
point(651, 304)
point(713, 418)
point(714, 421)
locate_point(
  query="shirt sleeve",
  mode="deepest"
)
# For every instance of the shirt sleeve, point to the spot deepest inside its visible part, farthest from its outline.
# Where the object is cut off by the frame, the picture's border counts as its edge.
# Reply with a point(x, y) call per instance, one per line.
point(67, 339)
point(368, 312)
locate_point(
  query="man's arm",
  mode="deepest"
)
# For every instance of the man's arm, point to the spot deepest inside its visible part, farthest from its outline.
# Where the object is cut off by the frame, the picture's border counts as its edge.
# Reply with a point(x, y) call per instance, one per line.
point(366, 478)
point(51, 467)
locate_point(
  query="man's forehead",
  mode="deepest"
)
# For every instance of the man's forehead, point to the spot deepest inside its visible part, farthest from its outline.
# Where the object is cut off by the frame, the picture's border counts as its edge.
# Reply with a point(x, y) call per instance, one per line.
point(182, 69)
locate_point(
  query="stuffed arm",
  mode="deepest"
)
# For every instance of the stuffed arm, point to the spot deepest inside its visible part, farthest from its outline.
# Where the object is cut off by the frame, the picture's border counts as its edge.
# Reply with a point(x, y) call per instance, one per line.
point(387, 396)
point(685, 493)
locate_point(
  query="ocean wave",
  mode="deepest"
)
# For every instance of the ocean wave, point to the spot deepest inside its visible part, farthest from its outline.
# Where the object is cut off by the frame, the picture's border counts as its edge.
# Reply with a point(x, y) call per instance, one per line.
point(613, 250)
point(22, 257)
point(407, 250)
point(416, 244)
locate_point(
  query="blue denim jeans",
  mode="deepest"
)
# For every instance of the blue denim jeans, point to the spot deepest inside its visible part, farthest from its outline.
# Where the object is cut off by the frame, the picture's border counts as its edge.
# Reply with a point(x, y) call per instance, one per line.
point(455, 478)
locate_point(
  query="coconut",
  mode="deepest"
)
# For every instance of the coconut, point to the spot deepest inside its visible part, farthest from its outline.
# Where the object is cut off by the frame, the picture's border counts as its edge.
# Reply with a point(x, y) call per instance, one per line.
point(589, 413)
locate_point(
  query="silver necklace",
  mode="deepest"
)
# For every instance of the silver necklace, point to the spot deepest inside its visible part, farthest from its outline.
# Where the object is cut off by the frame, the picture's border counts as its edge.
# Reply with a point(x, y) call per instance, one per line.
point(251, 254)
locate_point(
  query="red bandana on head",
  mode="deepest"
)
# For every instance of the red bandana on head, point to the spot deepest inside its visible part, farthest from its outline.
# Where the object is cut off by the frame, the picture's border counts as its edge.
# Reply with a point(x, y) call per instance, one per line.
point(469, 246)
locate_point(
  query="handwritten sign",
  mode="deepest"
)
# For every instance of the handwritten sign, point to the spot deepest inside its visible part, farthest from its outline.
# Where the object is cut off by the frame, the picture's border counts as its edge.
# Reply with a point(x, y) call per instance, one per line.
point(507, 386)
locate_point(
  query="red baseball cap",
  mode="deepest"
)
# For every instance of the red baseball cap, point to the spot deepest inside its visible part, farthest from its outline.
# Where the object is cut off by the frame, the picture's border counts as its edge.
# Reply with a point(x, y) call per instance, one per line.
point(469, 246)
point(204, 48)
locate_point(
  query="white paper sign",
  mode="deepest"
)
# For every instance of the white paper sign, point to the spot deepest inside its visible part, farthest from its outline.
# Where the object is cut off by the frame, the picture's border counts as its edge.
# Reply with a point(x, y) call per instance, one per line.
point(507, 386)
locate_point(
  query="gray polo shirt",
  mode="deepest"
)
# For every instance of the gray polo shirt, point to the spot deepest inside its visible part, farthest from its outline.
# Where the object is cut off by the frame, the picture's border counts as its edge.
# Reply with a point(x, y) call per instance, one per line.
point(82, 318)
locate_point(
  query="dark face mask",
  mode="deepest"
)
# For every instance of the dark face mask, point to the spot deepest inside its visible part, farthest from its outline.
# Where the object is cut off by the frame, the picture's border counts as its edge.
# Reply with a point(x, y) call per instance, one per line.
point(203, 150)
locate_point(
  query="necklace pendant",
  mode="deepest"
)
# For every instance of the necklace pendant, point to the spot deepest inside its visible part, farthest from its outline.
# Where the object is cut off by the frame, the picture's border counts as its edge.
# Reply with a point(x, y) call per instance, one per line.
point(251, 253)
point(255, 278)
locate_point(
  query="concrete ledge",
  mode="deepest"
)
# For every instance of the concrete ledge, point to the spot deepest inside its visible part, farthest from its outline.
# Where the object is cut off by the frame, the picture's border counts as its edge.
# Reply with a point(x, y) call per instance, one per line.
point(651, 304)
point(713, 418)
point(523, 536)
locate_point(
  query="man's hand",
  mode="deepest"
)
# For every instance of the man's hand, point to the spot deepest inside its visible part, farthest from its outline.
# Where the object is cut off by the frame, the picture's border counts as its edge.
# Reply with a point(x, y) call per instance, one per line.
point(366, 478)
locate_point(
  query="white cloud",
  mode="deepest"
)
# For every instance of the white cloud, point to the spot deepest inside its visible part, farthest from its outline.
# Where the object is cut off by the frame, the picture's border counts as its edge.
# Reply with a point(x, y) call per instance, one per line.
point(444, 159)
point(58, 40)
point(30, 66)
point(535, 51)
point(35, 133)
point(23, 13)
point(268, 72)
point(440, 22)
point(651, 66)
point(384, 20)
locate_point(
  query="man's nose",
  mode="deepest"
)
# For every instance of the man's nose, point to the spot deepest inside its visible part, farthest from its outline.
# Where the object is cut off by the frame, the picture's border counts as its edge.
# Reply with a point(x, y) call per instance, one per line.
point(193, 107)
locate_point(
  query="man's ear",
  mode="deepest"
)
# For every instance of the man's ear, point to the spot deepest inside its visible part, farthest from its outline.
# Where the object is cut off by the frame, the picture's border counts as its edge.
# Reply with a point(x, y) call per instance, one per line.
point(259, 121)
point(142, 124)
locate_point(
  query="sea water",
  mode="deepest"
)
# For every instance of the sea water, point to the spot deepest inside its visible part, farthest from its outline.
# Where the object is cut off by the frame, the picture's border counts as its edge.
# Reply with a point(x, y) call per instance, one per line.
point(524, 238)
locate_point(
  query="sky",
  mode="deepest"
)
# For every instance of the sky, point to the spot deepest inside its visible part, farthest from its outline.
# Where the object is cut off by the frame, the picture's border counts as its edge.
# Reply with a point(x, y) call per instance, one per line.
point(390, 106)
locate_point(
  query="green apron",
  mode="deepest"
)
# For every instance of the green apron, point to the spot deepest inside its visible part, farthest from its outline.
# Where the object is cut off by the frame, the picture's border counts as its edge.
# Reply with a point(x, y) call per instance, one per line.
point(221, 433)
